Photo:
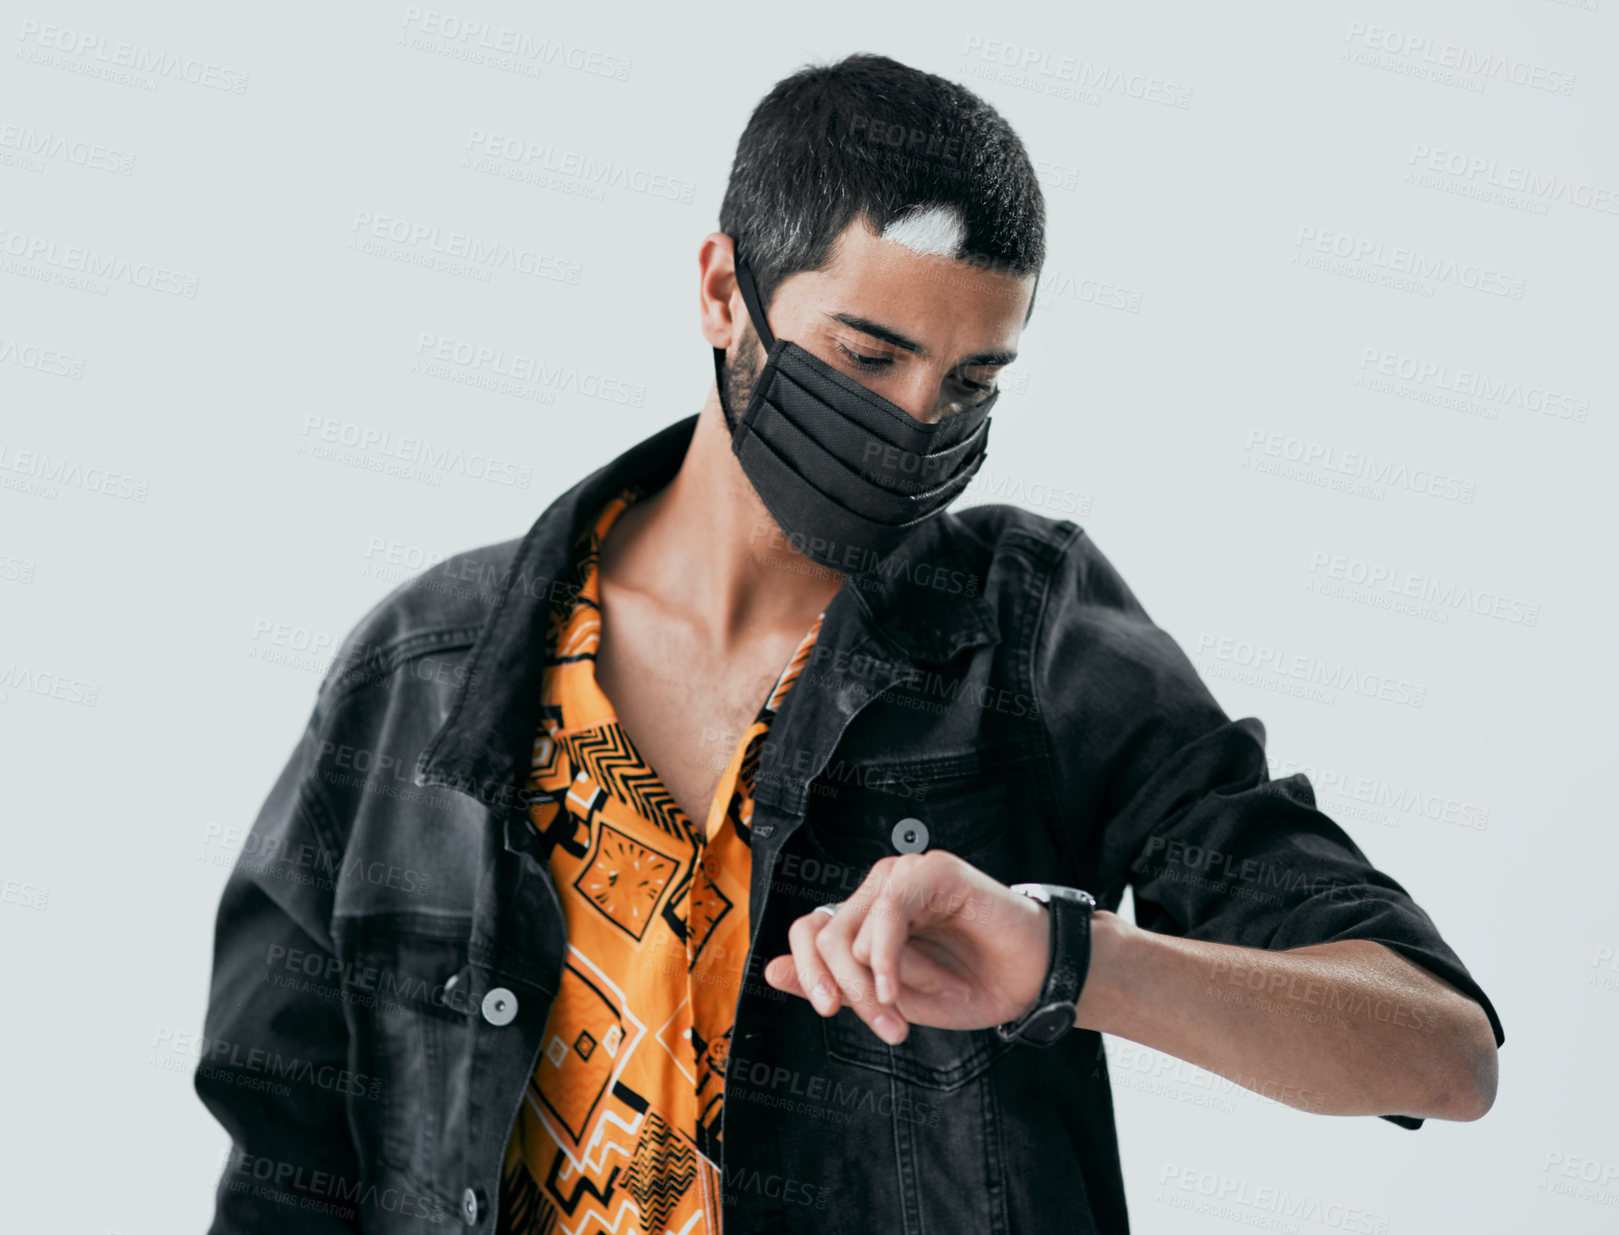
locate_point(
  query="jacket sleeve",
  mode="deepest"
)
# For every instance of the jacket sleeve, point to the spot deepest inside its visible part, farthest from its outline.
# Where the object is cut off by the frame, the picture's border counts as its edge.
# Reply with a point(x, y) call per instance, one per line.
point(275, 1045)
point(1178, 803)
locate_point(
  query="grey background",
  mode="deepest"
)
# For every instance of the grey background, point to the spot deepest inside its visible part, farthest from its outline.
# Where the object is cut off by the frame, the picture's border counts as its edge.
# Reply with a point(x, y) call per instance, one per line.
point(183, 606)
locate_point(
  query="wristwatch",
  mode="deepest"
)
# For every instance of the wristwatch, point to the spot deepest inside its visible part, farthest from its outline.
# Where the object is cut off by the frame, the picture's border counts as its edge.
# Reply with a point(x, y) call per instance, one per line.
point(1052, 1015)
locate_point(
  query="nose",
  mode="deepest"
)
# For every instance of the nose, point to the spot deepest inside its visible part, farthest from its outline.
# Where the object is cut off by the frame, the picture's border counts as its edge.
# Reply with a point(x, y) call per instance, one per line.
point(924, 394)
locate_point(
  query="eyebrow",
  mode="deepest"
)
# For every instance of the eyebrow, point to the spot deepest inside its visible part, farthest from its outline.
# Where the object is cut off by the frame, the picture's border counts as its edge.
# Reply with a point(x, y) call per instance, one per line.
point(995, 356)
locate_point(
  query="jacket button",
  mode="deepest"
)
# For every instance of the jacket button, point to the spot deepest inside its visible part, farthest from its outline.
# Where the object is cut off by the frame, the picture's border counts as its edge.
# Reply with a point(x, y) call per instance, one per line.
point(910, 836)
point(450, 982)
point(499, 1007)
point(472, 1206)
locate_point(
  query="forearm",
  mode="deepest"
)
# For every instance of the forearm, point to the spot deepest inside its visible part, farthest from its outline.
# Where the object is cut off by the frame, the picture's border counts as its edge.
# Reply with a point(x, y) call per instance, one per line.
point(1346, 1028)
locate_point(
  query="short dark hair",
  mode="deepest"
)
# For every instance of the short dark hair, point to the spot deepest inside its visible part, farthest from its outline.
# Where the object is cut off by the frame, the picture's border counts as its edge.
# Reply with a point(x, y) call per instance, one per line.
point(871, 136)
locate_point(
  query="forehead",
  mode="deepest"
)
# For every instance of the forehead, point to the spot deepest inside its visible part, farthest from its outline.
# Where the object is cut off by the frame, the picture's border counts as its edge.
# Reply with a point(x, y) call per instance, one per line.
point(905, 279)
point(949, 306)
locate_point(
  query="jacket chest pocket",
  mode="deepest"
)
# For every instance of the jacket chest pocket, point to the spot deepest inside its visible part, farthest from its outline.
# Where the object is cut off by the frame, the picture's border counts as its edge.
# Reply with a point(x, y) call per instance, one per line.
point(413, 1031)
point(974, 806)
point(943, 1059)
point(977, 806)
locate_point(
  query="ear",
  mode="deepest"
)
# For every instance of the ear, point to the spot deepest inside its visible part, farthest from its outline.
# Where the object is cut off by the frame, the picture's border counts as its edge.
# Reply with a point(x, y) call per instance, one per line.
point(720, 311)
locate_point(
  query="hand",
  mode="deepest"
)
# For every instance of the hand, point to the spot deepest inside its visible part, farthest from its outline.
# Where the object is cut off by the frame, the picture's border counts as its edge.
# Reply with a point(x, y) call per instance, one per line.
point(926, 939)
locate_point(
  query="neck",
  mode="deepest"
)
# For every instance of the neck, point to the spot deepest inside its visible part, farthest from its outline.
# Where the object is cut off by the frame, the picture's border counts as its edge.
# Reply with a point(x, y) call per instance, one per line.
point(705, 545)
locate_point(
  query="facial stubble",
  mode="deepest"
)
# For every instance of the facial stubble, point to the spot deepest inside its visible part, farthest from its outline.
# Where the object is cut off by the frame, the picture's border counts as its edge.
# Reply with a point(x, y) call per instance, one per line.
point(740, 375)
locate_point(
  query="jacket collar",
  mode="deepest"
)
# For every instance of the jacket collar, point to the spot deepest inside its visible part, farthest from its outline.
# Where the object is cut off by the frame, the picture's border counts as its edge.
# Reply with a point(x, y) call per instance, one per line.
point(926, 600)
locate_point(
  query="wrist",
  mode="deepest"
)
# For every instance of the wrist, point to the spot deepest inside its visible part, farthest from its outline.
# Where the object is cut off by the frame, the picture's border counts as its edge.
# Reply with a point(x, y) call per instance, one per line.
point(1104, 999)
point(1036, 934)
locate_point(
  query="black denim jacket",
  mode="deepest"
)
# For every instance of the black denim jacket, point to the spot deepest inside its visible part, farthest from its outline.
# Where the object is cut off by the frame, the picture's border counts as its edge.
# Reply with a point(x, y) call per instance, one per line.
point(390, 938)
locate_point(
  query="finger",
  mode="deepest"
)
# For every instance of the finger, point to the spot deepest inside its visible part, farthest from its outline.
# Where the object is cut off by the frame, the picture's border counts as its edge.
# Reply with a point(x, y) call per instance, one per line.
point(854, 979)
point(909, 903)
point(887, 925)
point(781, 973)
point(917, 972)
point(815, 983)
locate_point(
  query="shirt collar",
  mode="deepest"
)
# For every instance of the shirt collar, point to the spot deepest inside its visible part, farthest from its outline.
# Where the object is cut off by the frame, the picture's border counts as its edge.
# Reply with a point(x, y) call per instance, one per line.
point(926, 599)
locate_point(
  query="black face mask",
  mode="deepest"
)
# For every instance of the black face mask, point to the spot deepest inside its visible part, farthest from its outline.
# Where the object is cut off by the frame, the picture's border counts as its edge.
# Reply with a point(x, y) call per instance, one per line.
point(846, 474)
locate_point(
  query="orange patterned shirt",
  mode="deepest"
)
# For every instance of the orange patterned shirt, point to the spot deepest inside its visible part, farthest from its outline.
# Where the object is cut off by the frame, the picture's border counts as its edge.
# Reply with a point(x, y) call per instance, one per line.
point(620, 1125)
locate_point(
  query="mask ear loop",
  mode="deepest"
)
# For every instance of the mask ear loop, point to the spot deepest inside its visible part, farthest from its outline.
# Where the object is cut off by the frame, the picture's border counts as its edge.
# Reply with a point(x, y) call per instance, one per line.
point(750, 297)
point(756, 314)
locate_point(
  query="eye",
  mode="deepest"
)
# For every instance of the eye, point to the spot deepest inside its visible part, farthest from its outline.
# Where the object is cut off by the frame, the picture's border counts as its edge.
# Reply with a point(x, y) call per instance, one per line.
point(866, 364)
point(966, 383)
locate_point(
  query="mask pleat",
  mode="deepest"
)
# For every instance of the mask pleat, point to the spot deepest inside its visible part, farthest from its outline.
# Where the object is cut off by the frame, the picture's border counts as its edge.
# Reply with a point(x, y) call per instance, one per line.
point(818, 384)
point(857, 489)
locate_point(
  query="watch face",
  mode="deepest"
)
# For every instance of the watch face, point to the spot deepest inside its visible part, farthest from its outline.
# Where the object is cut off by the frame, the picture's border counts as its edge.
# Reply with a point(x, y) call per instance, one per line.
point(1051, 1023)
point(1044, 892)
point(1076, 895)
point(1034, 891)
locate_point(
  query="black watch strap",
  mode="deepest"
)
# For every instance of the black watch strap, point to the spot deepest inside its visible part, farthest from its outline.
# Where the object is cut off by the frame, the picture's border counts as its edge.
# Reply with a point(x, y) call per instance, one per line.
point(1052, 1014)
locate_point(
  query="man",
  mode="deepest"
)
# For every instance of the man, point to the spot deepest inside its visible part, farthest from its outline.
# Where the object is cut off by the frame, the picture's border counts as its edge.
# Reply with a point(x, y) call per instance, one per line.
point(656, 872)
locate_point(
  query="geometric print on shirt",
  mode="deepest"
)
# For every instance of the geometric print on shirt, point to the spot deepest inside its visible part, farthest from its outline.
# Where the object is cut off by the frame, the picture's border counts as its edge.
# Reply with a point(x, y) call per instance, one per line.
point(621, 1122)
